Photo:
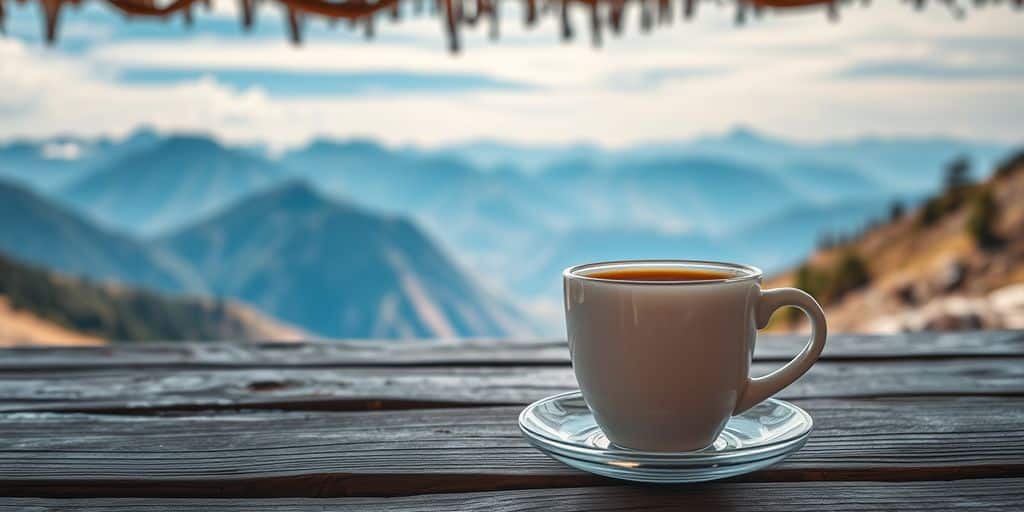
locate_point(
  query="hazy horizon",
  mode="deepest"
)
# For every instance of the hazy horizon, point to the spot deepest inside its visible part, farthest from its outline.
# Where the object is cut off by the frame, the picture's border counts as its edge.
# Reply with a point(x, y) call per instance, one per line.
point(728, 132)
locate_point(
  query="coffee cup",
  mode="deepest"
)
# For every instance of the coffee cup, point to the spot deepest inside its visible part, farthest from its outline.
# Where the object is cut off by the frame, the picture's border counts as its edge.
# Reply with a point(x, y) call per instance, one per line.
point(662, 348)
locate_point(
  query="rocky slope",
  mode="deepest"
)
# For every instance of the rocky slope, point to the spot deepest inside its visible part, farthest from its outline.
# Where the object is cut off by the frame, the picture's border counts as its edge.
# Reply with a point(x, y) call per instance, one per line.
point(957, 262)
point(41, 307)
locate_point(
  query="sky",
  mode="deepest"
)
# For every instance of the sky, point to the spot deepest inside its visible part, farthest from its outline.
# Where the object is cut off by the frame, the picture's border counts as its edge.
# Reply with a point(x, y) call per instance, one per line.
point(882, 69)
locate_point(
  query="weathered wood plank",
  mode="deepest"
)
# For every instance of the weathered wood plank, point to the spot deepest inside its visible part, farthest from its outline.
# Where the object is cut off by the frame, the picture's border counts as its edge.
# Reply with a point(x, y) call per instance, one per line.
point(980, 494)
point(152, 390)
point(477, 353)
point(315, 454)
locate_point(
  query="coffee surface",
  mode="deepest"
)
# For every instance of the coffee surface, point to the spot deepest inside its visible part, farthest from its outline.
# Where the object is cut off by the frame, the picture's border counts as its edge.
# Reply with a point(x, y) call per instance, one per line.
point(660, 274)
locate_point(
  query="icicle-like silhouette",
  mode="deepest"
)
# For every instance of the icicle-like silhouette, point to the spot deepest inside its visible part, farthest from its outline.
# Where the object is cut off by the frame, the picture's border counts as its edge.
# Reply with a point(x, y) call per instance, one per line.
point(602, 13)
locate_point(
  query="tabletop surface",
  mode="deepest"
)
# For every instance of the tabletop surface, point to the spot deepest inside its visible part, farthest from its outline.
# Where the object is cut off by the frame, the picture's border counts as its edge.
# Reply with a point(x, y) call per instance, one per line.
point(918, 421)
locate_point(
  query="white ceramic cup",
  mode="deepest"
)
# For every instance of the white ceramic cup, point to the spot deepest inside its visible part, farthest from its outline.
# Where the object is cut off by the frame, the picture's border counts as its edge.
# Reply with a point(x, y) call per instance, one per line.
point(664, 364)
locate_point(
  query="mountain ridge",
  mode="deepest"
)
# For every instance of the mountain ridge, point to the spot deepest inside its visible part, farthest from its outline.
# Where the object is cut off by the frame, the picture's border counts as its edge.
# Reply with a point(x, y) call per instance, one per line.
point(313, 251)
point(955, 262)
point(40, 231)
point(168, 185)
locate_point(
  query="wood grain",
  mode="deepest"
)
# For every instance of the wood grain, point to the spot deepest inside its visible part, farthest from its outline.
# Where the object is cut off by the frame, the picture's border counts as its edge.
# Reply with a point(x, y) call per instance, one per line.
point(982, 494)
point(316, 454)
point(472, 353)
point(154, 390)
point(927, 421)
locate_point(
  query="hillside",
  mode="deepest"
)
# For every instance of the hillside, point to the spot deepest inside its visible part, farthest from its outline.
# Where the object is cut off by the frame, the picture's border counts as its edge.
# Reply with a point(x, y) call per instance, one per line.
point(779, 241)
point(955, 263)
point(41, 307)
point(170, 184)
point(19, 327)
point(39, 231)
point(338, 270)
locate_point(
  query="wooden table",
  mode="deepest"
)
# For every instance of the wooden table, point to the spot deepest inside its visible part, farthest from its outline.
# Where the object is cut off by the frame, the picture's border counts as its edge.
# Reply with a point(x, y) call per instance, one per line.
point(924, 421)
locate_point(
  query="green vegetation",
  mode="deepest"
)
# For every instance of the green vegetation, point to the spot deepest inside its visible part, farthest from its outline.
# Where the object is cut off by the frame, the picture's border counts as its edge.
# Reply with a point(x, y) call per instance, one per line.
point(984, 211)
point(896, 211)
point(109, 312)
point(850, 271)
point(957, 189)
point(932, 211)
point(831, 284)
point(958, 174)
point(1013, 164)
point(826, 241)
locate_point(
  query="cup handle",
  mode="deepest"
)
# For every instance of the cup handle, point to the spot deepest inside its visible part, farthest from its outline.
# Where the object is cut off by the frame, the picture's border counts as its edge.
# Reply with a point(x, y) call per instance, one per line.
point(760, 388)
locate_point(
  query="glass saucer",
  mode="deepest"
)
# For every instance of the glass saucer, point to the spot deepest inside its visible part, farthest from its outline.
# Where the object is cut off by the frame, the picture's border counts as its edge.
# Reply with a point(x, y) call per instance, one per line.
point(563, 427)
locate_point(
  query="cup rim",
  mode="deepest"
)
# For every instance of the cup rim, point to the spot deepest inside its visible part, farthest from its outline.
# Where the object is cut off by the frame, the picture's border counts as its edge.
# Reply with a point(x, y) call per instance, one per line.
point(750, 272)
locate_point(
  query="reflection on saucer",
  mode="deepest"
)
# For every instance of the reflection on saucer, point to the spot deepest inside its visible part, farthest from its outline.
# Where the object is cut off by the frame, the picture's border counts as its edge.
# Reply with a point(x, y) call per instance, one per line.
point(563, 427)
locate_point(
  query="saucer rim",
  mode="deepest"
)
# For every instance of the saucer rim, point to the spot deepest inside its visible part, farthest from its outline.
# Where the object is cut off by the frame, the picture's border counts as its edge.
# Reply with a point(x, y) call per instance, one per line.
point(577, 451)
point(677, 464)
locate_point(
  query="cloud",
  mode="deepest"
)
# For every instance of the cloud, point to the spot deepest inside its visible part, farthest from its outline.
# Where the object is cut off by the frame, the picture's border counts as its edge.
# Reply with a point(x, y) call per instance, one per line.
point(918, 70)
point(777, 73)
point(288, 83)
point(653, 78)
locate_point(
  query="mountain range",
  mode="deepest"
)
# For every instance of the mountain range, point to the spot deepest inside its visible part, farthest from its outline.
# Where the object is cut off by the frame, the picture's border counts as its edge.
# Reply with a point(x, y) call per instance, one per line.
point(52, 163)
point(333, 269)
point(175, 181)
point(907, 165)
point(204, 217)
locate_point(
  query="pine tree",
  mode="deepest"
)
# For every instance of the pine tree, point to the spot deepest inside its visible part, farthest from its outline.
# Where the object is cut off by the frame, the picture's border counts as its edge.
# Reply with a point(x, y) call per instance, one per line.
point(958, 174)
point(896, 210)
point(984, 211)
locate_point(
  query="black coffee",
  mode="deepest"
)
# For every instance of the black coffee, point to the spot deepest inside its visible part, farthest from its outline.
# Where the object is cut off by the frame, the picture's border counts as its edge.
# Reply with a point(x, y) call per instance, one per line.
point(660, 274)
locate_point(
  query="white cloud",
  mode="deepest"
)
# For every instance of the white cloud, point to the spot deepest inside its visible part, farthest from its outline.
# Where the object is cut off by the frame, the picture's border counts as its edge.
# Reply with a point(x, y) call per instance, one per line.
point(62, 151)
point(777, 74)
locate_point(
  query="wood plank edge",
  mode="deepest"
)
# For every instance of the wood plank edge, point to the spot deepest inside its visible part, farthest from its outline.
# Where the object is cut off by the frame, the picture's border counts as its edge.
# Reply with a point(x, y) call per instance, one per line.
point(393, 404)
point(972, 494)
point(16, 368)
point(396, 485)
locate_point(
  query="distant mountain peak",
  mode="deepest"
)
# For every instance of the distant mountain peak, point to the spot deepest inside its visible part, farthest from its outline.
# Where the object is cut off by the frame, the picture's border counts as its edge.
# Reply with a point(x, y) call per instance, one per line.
point(162, 186)
point(743, 132)
point(292, 192)
point(336, 269)
point(295, 198)
point(143, 133)
point(352, 144)
point(747, 135)
point(191, 144)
